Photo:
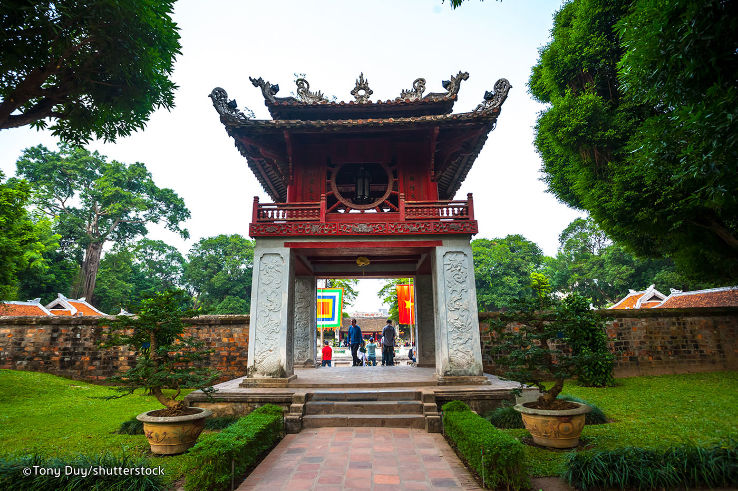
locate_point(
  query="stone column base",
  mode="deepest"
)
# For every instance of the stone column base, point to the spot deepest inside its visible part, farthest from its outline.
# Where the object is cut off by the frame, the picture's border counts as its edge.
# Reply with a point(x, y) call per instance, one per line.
point(267, 381)
point(305, 364)
point(426, 365)
point(462, 380)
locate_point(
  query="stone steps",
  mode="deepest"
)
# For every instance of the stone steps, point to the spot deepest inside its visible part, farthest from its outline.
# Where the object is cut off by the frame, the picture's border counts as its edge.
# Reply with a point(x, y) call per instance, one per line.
point(364, 407)
point(364, 395)
point(364, 420)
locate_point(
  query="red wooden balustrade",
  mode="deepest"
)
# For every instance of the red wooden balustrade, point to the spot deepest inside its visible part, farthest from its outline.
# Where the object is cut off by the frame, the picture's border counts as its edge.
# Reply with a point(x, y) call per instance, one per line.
point(447, 210)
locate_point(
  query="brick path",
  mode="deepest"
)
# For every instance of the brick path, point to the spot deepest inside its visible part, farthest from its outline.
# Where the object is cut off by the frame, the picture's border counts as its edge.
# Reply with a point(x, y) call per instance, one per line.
point(361, 458)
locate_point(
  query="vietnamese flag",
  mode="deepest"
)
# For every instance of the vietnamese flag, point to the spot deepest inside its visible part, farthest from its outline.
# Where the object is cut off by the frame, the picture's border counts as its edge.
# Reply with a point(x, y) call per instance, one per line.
point(406, 303)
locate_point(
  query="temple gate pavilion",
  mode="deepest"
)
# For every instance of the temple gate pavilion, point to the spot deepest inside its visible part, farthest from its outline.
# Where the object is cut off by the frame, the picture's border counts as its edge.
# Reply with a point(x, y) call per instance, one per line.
point(362, 189)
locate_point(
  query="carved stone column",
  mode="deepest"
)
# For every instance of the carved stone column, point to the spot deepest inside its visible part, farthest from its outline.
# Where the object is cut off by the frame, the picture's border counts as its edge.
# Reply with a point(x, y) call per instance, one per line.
point(271, 326)
point(458, 350)
point(426, 342)
point(305, 322)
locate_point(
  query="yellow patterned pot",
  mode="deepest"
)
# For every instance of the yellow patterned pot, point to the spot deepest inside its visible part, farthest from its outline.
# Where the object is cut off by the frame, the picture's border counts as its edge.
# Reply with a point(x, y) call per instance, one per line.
point(173, 434)
point(554, 428)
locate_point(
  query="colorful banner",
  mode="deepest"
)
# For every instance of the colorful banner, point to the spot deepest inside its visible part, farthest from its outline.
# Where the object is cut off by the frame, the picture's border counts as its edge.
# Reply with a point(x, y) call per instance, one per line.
point(330, 308)
point(406, 303)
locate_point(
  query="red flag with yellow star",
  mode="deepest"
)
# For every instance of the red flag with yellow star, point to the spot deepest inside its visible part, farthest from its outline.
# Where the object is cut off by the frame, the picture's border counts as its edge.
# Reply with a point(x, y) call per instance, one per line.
point(406, 303)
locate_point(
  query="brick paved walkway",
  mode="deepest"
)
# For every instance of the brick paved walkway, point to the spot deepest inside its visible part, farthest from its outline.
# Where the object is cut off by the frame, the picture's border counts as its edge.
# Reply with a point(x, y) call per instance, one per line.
point(361, 458)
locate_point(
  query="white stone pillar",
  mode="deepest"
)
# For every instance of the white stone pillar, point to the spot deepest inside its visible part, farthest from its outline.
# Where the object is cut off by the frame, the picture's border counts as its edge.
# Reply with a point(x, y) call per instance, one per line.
point(458, 350)
point(305, 322)
point(271, 326)
point(425, 320)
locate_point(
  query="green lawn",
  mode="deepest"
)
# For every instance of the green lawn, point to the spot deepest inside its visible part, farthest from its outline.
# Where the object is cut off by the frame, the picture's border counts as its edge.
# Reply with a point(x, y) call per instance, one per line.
point(54, 416)
point(700, 408)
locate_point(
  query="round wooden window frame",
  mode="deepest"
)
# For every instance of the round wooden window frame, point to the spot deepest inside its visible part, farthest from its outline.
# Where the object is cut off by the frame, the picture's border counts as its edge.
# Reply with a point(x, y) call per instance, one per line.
point(350, 204)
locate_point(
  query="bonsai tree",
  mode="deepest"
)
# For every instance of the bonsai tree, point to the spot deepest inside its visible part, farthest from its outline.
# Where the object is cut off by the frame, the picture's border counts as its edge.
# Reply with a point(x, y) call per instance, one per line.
point(546, 338)
point(165, 357)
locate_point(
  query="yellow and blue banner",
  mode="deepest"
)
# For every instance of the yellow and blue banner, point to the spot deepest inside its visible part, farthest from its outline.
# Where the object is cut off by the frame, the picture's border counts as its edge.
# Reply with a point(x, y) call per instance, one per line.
point(330, 308)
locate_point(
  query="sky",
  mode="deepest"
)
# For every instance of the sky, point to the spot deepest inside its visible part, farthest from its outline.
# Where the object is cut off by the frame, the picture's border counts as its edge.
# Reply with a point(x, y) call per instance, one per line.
point(392, 42)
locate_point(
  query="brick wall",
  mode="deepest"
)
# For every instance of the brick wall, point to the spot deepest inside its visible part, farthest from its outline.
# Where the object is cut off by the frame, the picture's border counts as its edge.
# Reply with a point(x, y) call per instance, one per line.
point(69, 346)
point(658, 341)
point(645, 342)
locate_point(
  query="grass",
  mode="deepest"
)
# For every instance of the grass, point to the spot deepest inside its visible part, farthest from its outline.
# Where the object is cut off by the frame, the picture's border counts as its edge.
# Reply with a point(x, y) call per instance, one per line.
point(652, 412)
point(53, 417)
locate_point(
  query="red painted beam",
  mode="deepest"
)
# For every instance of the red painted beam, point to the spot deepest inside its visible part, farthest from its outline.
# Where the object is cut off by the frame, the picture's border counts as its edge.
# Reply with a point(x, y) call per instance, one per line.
point(354, 245)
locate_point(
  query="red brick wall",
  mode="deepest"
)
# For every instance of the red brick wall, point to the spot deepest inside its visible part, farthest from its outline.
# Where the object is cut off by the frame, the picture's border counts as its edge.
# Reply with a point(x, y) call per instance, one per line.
point(658, 341)
point(69, 346)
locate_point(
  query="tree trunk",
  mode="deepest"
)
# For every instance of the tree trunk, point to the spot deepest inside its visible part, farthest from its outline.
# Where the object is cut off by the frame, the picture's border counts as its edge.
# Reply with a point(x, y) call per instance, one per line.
point(90, 266)
point(550, 396)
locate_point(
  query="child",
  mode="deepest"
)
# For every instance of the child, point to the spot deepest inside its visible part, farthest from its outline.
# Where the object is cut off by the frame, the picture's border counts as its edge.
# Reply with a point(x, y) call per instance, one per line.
point(362, 354)
point(371, 351)
point(327, 354)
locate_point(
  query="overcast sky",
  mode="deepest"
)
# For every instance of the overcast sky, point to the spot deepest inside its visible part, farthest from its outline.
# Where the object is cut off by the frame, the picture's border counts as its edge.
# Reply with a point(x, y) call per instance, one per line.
point(392, 42)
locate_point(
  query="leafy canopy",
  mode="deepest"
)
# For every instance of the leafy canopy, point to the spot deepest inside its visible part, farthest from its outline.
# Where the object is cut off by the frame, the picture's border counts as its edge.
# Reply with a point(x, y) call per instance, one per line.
point(219, 273)
point(641, 125)
point(95, 67)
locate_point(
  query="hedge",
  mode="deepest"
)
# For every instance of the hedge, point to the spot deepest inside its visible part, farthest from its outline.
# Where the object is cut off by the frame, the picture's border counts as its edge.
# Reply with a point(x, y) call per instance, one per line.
point(239, 445)
point(669, 468)
point(13, 473)
point(498, 458)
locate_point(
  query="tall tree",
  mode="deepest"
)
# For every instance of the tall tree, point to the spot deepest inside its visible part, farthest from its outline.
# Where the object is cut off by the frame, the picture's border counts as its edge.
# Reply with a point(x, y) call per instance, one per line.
point(130, 273)
point(94, 66)
point(219, 272)
point(98, 201)
point(502, 269)
point(349, 288)
point(641, 128)
point(590, 264)
point(22, 243)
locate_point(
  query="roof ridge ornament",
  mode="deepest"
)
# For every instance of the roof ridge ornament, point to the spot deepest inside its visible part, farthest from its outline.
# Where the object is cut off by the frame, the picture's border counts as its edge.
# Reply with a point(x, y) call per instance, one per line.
point(415, 94)
point(268, 90)
point(361, 91)
point(493, 100)
point(303, 92)
point(228, 110)
point(452, 87)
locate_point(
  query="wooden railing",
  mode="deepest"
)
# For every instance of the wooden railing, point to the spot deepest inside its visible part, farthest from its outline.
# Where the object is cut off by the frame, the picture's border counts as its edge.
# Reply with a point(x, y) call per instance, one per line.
point(448, 210)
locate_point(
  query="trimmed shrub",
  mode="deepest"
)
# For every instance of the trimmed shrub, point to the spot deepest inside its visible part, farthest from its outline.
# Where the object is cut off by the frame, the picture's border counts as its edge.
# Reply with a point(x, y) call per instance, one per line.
point(498, 458)
point(240, 444)
point(135, 427)
point(670, 468)
point(506, 417)
point(12, 473)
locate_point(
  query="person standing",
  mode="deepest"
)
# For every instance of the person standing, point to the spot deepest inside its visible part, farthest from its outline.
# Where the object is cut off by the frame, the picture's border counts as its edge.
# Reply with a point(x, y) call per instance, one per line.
point(388, 344)
point(371, 352)
point(354, 335)
point(327, 354)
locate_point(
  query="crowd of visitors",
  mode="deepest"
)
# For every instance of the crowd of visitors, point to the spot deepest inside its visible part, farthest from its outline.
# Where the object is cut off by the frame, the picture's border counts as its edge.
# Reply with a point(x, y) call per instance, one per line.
point(364, 353)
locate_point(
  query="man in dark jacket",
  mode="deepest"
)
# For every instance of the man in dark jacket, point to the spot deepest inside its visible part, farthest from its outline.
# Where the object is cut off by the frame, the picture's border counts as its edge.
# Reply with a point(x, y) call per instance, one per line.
point(388, 344)
point(354, 335)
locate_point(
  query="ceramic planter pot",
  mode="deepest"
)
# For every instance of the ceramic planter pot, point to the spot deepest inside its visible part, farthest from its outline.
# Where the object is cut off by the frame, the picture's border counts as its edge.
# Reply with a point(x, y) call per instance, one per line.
point(172, 435)
point(554, 428)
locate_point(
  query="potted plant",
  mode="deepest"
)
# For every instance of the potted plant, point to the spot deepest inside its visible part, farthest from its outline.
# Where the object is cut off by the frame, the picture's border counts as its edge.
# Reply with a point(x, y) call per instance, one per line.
point(548, 338)
point(165, 359)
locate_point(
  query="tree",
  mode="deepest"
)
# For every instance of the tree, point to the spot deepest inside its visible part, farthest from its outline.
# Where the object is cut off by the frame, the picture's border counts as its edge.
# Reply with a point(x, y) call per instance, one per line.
point(349, 289)
point(219, 272)
point(590, 264)
point(502, 269)
point(95, 67)
point(21, 245)
point(641, 125)
point(98, 201)
point(130, 273)
point(56, 272)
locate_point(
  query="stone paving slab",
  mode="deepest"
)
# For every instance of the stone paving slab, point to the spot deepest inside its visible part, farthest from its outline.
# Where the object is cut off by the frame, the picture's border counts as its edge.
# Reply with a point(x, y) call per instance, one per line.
point(373, 459)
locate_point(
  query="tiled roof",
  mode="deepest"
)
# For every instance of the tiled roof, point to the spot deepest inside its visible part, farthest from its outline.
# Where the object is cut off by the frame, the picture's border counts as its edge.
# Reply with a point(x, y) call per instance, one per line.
point(69, 306)
point(22, 308)
point(645, 299)
point(85, 308)
point(715, 297)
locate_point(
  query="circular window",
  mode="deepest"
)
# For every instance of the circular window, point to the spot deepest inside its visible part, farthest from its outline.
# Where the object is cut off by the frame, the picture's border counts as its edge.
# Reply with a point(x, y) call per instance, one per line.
point(362, 186)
